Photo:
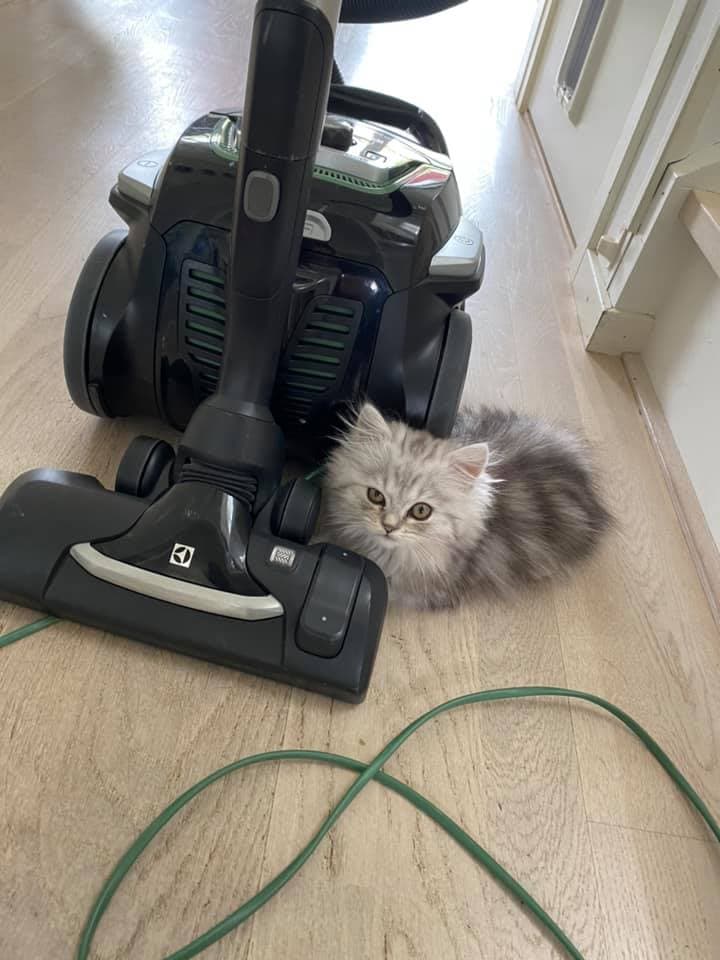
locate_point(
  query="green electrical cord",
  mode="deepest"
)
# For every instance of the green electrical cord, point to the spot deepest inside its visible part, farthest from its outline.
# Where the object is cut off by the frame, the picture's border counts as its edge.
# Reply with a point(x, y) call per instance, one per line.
point(368, 772)
point(26, 631)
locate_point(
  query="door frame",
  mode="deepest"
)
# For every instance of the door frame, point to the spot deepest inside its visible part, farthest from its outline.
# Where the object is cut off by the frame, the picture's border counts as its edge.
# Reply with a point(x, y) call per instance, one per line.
point(674, 91)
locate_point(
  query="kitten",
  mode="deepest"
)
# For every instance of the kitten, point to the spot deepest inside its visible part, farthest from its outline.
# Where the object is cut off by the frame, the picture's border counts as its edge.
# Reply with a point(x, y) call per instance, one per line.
point(506, 501)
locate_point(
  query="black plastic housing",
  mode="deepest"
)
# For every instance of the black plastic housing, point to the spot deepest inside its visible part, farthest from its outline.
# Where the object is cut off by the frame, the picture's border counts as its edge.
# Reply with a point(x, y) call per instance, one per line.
point(46, 512)
point(365, 316)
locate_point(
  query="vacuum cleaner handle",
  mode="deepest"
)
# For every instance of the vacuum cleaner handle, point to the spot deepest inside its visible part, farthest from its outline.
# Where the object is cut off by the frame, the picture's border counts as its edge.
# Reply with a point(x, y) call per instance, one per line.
point(233, 433)
point(285, 104)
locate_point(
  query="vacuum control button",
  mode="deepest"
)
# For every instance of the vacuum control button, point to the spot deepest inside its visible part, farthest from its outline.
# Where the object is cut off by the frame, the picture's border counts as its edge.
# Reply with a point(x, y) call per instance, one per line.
point(330, 602)
point(261, 196)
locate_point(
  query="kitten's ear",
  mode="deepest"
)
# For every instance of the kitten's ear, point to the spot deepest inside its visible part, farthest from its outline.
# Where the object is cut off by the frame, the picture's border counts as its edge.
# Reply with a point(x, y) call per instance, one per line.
point(471, 460)
point(371, 421)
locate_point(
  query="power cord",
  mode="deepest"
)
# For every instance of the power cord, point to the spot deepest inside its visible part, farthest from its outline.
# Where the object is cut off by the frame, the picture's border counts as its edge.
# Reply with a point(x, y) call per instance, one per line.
point(26, 631)
point(366, 773)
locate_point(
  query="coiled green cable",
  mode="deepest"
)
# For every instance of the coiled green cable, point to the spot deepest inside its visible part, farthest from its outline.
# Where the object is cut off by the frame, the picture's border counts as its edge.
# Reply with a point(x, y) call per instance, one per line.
point(366, 773)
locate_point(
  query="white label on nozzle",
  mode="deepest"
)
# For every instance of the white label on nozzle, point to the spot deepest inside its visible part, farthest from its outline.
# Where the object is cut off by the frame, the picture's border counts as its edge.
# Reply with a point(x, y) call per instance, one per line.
point(316, 227)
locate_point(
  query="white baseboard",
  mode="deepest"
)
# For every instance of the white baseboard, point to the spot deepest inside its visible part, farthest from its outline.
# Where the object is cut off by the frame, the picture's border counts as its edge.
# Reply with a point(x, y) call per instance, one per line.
point(692, 520)
point(549, 180)
point(604, 328)
point(618, 332)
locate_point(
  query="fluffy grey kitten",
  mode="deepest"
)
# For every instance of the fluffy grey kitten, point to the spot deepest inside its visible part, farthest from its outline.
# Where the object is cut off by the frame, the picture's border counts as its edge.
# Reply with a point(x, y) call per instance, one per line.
point(506, 501)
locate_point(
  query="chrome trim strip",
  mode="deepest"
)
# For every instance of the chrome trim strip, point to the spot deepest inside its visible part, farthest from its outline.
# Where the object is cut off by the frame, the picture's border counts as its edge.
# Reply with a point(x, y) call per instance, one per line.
point(172, 590)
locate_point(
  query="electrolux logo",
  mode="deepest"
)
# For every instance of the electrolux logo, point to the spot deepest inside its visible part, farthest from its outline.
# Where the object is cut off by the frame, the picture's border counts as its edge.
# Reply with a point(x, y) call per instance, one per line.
point(182, 555)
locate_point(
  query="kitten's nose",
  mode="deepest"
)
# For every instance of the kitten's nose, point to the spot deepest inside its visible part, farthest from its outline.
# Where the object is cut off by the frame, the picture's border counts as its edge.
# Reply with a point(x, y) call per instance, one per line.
point(390, 522)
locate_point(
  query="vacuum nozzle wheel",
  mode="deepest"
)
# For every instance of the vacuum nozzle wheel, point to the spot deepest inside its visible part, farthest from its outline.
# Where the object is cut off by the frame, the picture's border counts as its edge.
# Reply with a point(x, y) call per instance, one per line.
point(296, 511)
point(142, 466)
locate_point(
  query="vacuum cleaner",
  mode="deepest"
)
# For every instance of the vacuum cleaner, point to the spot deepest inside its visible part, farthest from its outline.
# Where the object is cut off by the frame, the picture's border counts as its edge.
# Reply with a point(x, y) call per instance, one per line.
point(280, 263)
point(375, 309)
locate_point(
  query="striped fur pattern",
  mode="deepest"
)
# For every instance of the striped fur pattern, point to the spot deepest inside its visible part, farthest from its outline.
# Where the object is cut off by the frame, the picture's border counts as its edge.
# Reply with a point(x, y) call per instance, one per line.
point(513, 501)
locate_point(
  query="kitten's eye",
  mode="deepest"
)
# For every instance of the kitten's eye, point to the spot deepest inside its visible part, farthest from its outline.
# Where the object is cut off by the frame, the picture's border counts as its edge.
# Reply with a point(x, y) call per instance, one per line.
point(374, 496)
point(420, 511)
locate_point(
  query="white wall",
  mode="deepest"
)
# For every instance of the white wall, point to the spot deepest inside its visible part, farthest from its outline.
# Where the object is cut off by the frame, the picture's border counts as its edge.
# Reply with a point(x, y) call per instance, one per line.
point(578, 154)
point(683, 360)
point(708, 128)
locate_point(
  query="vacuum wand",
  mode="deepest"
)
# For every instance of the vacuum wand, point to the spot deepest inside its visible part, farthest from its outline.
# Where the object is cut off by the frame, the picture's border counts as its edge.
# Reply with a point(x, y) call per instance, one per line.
point(286, 99)
point(292, 51)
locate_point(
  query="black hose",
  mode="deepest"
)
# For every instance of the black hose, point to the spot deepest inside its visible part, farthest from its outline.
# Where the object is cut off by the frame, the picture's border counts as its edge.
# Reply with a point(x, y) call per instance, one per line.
point(389, 11)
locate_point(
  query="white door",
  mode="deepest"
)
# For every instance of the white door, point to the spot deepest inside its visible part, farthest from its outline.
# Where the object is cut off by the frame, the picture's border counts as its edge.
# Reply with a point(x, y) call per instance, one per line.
point(578, 137)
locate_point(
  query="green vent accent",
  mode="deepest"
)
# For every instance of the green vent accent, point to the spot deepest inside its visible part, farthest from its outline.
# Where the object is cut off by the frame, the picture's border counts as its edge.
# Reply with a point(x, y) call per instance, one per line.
point(207, 361)
point(355, 183)
point(335, 309)
point(310, 372)
point(202, 345)
point(367, 186)
point(206, 312)
point(204, 295)
point(204, 277)
point(314, 366)
point(326, 325)
point(201, 328)
point(312, 387)
point(322, 342)
point(317, 357)
point(208, 382)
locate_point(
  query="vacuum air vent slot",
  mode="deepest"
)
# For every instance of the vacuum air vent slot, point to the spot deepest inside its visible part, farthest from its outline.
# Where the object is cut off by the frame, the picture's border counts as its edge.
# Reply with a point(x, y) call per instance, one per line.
point(313, 365)
point(202, 345)
point(315, 362)
point(206, 274)
point(201, 294)
point(201, 319)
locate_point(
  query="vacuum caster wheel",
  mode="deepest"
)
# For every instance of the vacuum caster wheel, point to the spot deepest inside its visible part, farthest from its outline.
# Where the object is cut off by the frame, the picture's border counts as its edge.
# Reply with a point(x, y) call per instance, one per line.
point(296, 511)
point(142, 466)
point(451, 374)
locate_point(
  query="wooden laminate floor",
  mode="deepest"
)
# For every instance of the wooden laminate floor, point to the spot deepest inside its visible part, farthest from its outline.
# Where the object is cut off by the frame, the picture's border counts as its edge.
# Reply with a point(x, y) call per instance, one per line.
point(98, 733)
